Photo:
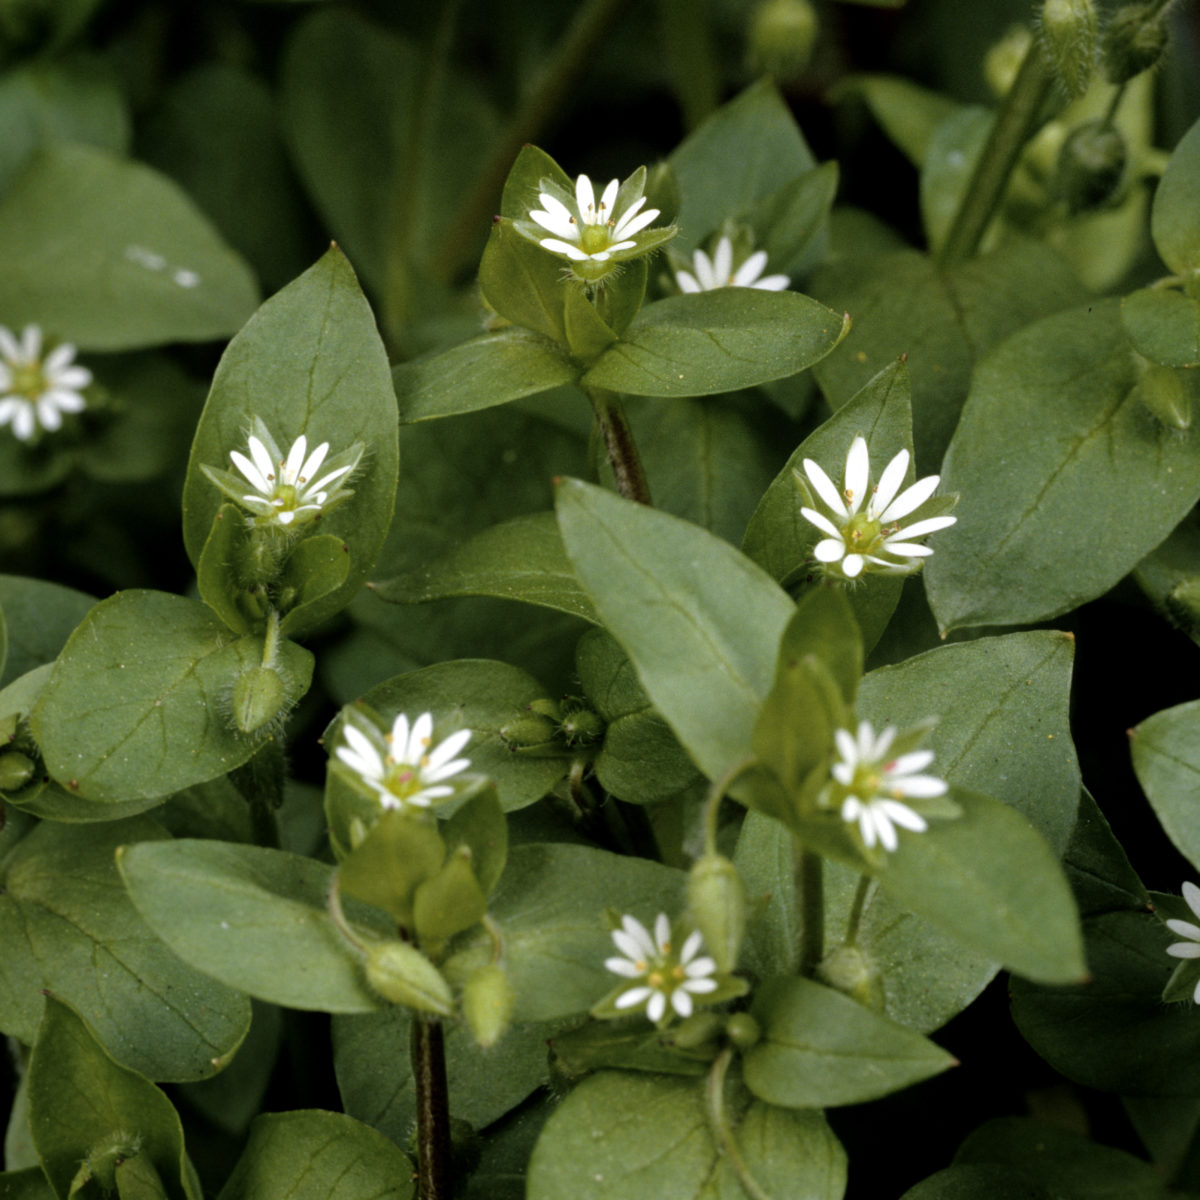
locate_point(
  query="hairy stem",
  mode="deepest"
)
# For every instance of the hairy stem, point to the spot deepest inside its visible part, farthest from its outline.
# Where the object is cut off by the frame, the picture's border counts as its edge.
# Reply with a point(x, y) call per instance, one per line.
point(1020, 115)
point(718, 1121)
point(542, 102)
point(619, 445)
point(433, 1110)
point(856, 908)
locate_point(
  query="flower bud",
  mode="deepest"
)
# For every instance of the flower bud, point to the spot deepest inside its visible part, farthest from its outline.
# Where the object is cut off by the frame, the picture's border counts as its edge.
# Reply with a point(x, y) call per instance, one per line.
point(717, 898)
point(743, 1031)
point(582, 725)
point(546, 708)
point(850, 972)
point(1091, 166)
point(487, 1004)
point(528, 732)
point(401, 974)
point(16, 770)
point(259, 696)
point(696, 1030)
point(1183, 604)
point(1134, 41)
point(1069, 29)
point(1163, 391)
point(781, 38)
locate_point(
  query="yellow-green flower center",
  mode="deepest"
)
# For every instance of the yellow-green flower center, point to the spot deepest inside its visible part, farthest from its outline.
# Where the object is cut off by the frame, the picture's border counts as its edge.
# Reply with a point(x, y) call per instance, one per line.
point(28, 381)
point(863, 534)
point(594, 238)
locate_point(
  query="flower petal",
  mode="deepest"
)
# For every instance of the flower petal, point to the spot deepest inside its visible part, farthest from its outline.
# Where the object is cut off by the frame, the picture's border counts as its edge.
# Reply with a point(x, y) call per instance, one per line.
point(1184, 950)
point(585, 198)
point(704, 270)
point(889, 483)
point(686, 281)
point(829, 550)
point(1191, 893)
point(723, 261)
point(825, 487)
point(910, 499)
point(572, 252)
point(822, 522)
point(633, 996)
point(852, 565)
point(750, 270)
point(858, 474)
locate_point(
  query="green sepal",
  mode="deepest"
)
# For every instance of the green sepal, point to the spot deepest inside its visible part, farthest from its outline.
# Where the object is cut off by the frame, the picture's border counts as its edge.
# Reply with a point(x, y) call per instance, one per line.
point(620, 297)
point(523, 283)
point(524, 181)
point(448, 902)
point(729, 987)
point(401, 974)
point(385, 869)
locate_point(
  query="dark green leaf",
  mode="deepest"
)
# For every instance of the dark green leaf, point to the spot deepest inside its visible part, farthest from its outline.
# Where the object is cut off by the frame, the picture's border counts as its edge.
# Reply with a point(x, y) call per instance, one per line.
point(1163, 325)
point(524, 283)
point(1166, 757)
point(1173, 221)
point(38, 618)
point(1097, 867)
point(111, 255)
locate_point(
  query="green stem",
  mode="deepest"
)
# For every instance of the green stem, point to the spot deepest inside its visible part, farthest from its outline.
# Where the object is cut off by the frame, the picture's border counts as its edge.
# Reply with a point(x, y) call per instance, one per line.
point(433, 1109)
point(271, 638)
point(810, 894)
point(1020, 115)
point(718, 1121)
point(333, 905)
point(543, 101)
point(619, 445)
point(856, 909)
point(716, 793)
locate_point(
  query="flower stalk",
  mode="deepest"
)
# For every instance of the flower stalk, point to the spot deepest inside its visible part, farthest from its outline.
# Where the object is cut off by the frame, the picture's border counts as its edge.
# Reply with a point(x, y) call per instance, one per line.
point(433, 1109)
point(810, 897)
point(619, 445)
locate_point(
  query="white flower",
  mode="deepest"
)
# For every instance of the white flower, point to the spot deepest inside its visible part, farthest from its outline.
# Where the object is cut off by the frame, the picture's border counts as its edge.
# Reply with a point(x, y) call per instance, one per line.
point(661, 974)
point(1190, 948)
point(287, 490)
point(587, 230)
point(35, 390)
point(869, 536)
point(403, 766)
point(718, 272)
point(875, 784)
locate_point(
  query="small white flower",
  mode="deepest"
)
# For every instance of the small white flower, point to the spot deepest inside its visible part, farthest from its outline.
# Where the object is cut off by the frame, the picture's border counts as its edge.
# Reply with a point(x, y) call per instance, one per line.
point(718, 272)
point(288, 490)
point(862, 523)
point(35, 390)
point(589, 229)
point(403, 767)
point(1190, 948)
point(662, 976)
point(875, 784)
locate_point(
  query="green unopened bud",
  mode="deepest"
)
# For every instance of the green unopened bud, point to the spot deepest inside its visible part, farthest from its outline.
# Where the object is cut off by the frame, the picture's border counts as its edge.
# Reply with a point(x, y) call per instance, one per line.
point(401, 974)
point(850, 972)
point(781, 38)
point(529, 732)
point(743, 1031)
point(1091, 166)
point(487, 1004)
point(259, 696)
point(16, 770)
point(582, 725)
point(1069, 34)
point(546, 708)
point(1004, 58)
point(696, 1030)
point(717, 897)
point(1163, 391)
point(1134, 40)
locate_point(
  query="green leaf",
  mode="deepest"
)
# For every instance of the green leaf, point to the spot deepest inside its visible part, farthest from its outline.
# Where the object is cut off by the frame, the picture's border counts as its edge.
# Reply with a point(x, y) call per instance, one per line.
point(308, 362)
point(69, 927)
point(483, 1084)
point(781, 540)
point(315, 1155)
point(909, 114)
point(717, 341)
point(1163, 325)
point(112, 256)
point(549, 907)
point(1115, 1033)
point(38, 618)
point(524, 283)
point(701, 622)
point(820, 1048)
point(990, 880)
point(253, 918)
point(1097, 866)
point(1166, 757)
point(482, 372)
point(624, 1136)
point(950, 157)
point(1174, 225)
point(1053, 452)
point(793, 218)
point(766, 860)
point(1061, 1161)
point(143, 663)
point(519, 559)
point(479, 826)
point(316, 568)
point(29, 1184)
point(73, 98)
point(246, 185)
point(482, 696)
point(397, 855)
point(979, 1182)
point(756, 131)
point(902, 304)
point(524, 180)
point(88, 1112)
